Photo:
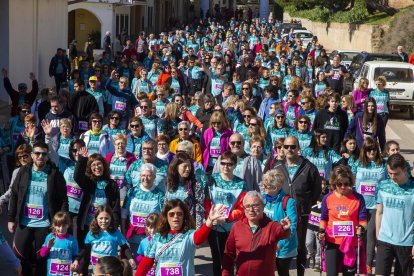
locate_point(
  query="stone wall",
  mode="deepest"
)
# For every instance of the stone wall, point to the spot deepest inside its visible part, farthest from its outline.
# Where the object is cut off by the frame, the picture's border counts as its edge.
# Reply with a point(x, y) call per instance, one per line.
point(400, 4)
point(344, 36)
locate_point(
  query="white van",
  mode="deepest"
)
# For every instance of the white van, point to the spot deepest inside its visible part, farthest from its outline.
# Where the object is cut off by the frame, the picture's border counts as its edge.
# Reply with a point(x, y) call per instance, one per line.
point(400, 82)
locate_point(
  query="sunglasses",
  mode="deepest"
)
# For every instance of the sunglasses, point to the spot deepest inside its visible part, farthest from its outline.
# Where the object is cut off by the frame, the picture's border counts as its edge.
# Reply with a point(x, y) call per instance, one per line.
point(303, 122)
point(144, 106)
point(343, 184)
point(253, 124)
point(96, 121)
point(247, 116)
point(244, 88)
point(280, 117)
point(25, 111)
point(40, 153)
point(371, 149)
point(289, 147)
point(25, 156)
point(183, 129)
point(279, 147)
point(228, 164)
point(235, 142)
point(134, 126)
point(114, 118)
point(173, 214)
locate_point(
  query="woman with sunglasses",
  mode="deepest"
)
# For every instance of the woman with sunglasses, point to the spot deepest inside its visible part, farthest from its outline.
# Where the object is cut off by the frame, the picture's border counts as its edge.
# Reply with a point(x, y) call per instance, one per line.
point(136, 137)
point(97, 140)
point(227, 190)
point(369, 171)
point(173, 245)
point(320, 154)
point(161, 101)
point(149, 119)
point(112, 127)
point(183, 185)
point(279, 129)
point(243, 126)
point(343, 216)
point(256, 129)
point(303, 131)
point(382, 97)
point(291, 107)
point(247, 95)
point(140, 83)
point(215, 140)
point(307, 108)
point(368, 124)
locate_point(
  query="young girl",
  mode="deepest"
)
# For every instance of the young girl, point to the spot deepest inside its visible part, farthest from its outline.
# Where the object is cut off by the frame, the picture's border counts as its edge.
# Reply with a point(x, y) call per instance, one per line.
point(60, 248)
point(150, 225)
point(392, 147)
point(382, 97)
point(104, 238)
point(348, 105)
point(320, 84)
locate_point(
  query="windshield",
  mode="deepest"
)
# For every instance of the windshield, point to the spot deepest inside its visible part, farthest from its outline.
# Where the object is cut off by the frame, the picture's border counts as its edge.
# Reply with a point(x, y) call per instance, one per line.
point(348, 56)
point(395, 74)
point(304, 35)
point(383, 58)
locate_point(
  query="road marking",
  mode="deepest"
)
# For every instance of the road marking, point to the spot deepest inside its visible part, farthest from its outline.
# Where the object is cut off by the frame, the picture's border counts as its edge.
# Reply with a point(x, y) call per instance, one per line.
point(390, 134)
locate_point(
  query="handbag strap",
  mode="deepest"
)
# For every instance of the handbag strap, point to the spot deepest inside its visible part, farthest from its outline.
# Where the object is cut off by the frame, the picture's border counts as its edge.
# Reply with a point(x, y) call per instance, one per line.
point(166, 246)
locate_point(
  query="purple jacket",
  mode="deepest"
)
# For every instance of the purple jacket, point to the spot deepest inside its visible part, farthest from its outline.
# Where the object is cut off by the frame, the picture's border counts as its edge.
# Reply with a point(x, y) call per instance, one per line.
point(208, 136)
point(358, 95)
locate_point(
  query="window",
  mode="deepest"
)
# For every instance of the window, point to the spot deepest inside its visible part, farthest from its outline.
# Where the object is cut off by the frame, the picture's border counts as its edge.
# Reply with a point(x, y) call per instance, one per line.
point(395, 74)
point(122, 21)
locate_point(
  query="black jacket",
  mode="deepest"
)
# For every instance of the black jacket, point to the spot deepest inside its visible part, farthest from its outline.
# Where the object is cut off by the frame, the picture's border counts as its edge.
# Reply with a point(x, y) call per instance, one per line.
point(82, 105)
point(56, 192)
point(305, 186)
point(89, 187)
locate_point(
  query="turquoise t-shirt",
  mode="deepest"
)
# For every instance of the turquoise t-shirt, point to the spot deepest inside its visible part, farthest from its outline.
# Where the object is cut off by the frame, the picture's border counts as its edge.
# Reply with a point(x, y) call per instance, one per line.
point(292, 169)
point(290, 116)
point(397, 224)
point(216, 85)
point(226, 193)
point(160, 108)
point(61, 255)
point(73, 191)
point(113, 131)
point(367, 179)
point(178, 259)
point(273, 133)
point(150, 126)
point(324, 165)
point(98, 199)
point(63, 152)
point(104, 244)
point(118, 168)
point(382, 98)
point(36, 206)
point(303, 137)
point(93, 145)
point(132, 175)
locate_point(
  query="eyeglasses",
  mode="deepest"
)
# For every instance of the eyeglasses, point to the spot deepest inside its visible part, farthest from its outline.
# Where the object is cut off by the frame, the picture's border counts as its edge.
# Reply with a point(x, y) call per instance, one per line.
point(280, 117)
point(173, 214)
point(162, 144)
point(228, 164)
point(235, 142)
point(371, 149)
point(25, 111)
point(303, 122)
point(343, 184)
point(253, 124)
point(378, 84)
point(253, 206)
point(182, 129)
point(147, 149)
point(289, 147)
point(144, 106)
point(247, 116)
point(303, 103)
point(123, 82)
point(40, 153)
point(114, 118)
point(135, 126)
point(21, 157)
point(279, 147)
point(245, 88)
point(96, 121)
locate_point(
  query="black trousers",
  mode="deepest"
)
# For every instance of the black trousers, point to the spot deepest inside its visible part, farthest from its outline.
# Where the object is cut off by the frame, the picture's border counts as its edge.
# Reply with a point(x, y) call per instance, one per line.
point(301, 258)
point(27, 243)
point(217, 241)
point(386, 253)
point(332, 259)
point(282, 266)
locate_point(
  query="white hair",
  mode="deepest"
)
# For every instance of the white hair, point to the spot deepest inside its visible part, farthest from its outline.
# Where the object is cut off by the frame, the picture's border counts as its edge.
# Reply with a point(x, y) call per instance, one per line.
point(108, 33)
point(253, 194)
point(274, 179)
point(187, 124)
point(188, 146)
point(149, 168)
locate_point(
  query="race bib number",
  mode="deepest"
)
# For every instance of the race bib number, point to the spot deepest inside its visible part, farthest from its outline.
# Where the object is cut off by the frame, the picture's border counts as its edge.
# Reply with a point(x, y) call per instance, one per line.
point(343, 229)
point(314, 218)
point(219, 86)
point(151, 272)
point(58, 267)
point(73, 191)
point(139, 220)
point(120, 106)
point(171, 269)
point(215, 152)
point(34, 211)
point(368, 188)
point(95, 258)
point(336, 76)
point(83, 125)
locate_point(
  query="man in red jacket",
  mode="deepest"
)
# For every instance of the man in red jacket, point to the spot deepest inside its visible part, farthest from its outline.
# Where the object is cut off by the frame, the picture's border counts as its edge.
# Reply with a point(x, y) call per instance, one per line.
point(253, 240)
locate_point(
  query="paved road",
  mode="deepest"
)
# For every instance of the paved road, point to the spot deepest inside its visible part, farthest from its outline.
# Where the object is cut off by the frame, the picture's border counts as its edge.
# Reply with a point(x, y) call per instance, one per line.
point(400, 130)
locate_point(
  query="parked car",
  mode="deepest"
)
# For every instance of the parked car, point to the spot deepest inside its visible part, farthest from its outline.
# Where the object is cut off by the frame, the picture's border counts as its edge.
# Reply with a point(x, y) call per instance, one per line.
point(400, 82)
point(304, 35)
point(346, 56)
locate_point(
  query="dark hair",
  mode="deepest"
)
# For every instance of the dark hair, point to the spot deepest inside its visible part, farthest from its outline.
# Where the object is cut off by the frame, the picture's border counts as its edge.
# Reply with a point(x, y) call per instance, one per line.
point(388, 145)
point(152, 220)
point(369, 142)
point(302, 117)
point(355, 154)
point(112, 113)
point(163, 226)
point(229, 156)
point(113, 266)
point(72, 144)
point(40, 144)
point(95, 115)
point(339, 172)
point(23, 148)
point(106, 171)
point(366, 117)
point(315, 143)
point(79, 82)
point(396, 161)
point(94, 227)
point(173, 177)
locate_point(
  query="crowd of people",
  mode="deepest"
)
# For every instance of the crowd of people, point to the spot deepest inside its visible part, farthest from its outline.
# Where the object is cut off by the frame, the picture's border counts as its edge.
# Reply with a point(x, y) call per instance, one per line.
point(226, 132)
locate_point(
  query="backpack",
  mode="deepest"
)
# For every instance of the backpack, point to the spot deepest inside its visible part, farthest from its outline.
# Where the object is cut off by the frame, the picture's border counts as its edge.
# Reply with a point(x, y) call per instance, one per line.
point(284, 205)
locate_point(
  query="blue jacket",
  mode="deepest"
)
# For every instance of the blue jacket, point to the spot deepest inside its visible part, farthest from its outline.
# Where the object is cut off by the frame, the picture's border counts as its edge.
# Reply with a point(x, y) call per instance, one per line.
point(355, 127)
point(287, 247)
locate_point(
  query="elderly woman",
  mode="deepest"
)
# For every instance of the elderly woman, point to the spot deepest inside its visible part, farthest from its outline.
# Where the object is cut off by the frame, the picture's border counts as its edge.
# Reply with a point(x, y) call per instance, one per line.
point(163, 152)
point(114, 117)
point(136, 137)
point(139, 203)
point(256, 145)
point(175, 229)
point(182, 184)
point(303, 131)
point(339, 226)
point(184, 135)
point(31, 133)
point(278, 205)
point(97, 140)
point(215, 140)
point(119, 162)
point(59, 144)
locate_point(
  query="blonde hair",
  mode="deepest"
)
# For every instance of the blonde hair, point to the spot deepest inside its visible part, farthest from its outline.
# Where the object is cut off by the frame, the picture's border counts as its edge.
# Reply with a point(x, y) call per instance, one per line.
point(171, 111)
point(273, 178)
point(30, 118)
point(350, 101)
point(65, 121)
point(120, 136)
point(382, 79)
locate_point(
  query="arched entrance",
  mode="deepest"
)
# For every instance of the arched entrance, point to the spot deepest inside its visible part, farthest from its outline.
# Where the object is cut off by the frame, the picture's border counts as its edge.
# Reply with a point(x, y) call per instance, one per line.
point(82, 24)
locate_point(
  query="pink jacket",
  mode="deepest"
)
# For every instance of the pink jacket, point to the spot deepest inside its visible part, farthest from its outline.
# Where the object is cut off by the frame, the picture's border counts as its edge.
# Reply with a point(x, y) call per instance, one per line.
point(208, 136)
point(358, 95)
